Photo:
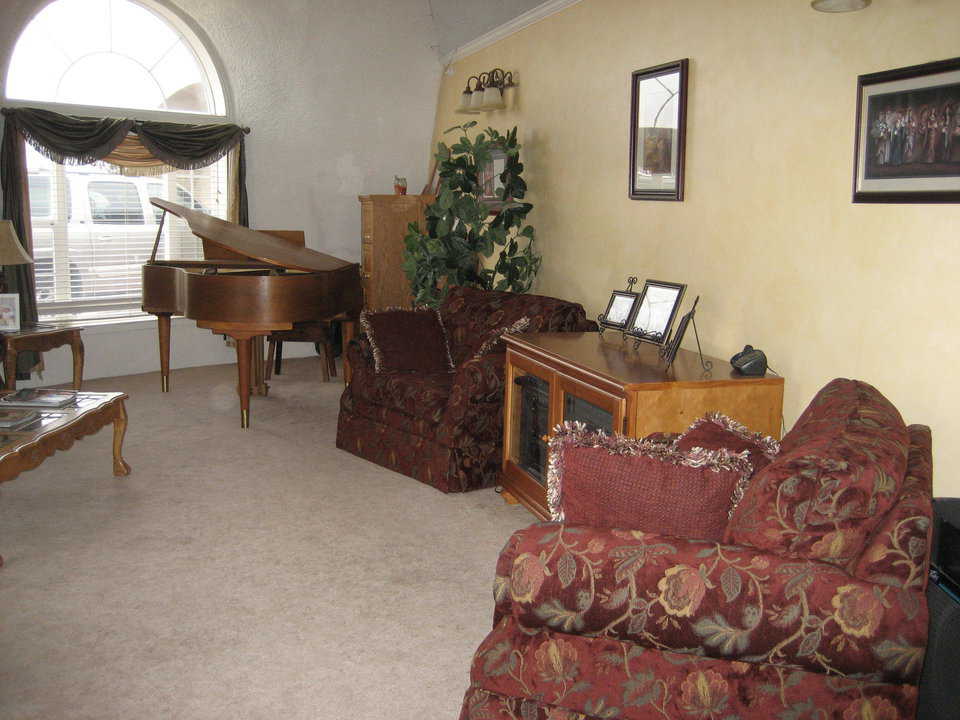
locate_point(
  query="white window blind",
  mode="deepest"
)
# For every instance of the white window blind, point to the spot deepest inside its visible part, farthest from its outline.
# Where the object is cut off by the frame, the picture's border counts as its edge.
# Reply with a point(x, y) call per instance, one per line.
point(93, 229)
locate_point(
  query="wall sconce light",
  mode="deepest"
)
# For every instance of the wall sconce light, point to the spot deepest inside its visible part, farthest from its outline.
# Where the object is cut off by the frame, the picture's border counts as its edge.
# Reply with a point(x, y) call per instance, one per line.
point(486, 93)
point(839, 6)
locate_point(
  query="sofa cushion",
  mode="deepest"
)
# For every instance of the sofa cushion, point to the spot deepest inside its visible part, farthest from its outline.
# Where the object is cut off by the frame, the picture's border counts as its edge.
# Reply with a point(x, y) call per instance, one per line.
point(407, 340)
point(619, 482)
point(705, 598)
point(475, 318)
point(418, 395)
point(715, 430)
point(838, 473)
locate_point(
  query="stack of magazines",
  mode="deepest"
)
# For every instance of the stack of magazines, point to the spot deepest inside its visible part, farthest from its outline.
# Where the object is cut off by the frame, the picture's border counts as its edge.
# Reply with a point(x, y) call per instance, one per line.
point(16, 418)
point(39, 397)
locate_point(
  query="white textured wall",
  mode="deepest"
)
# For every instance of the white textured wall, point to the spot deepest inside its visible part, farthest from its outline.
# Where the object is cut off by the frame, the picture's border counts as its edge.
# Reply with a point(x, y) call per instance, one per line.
point(340, 96)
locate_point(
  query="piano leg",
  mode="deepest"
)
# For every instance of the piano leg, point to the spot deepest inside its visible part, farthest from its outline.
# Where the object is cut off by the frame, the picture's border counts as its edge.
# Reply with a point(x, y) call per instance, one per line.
point(244, 356)
point(163, 330)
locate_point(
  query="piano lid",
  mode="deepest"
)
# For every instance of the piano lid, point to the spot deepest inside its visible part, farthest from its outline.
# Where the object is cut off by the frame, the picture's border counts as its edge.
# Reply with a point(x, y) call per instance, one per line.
point(251, 243)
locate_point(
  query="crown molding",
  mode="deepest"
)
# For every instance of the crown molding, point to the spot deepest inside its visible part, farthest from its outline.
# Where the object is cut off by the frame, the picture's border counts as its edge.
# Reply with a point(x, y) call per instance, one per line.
point(534, 15)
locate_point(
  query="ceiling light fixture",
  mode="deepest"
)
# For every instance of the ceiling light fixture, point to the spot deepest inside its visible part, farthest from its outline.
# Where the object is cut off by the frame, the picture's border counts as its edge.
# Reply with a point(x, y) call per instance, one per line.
point(839, 6)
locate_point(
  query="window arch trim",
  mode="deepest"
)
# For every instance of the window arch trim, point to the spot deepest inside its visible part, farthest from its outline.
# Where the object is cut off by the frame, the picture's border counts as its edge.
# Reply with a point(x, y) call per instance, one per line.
point(197, 40)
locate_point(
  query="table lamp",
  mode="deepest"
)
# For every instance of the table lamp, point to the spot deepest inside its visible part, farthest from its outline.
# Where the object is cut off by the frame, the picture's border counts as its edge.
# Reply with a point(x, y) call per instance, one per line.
point(11, 251)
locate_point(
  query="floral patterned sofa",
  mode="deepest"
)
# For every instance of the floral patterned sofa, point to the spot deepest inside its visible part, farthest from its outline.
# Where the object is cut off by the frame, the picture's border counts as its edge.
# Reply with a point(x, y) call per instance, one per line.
point(445, 428)
point(811, 606)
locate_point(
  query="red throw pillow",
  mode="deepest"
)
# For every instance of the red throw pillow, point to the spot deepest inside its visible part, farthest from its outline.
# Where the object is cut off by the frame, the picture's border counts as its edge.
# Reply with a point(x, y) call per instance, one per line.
point(715, 431)
point(618, 482)
point(407, 340)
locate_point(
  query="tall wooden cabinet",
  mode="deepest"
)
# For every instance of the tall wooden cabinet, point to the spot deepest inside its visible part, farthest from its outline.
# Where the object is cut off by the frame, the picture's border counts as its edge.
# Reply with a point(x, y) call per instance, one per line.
point(383, 223)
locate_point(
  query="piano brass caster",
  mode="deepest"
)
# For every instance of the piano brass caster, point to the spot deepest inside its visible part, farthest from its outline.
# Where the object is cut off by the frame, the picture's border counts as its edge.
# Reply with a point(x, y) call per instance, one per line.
point(244, 418)
point(164, 384)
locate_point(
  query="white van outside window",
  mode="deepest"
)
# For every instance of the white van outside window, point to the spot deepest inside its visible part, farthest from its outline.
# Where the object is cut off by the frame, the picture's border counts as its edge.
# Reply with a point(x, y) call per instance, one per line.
point(93, 229)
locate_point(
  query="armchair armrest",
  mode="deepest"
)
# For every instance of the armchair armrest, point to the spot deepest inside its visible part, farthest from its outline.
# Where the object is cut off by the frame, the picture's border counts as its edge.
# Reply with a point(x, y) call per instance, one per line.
point(481, 379)
point(474, 410)
point(723, 601)
point(360, 358)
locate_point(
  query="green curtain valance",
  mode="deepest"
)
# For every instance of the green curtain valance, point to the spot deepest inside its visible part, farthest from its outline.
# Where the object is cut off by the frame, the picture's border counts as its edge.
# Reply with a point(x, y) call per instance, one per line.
point(71, 140)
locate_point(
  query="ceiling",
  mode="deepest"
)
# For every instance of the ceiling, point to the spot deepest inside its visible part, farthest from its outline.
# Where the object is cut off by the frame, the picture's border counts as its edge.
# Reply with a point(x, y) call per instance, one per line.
point(457, 22)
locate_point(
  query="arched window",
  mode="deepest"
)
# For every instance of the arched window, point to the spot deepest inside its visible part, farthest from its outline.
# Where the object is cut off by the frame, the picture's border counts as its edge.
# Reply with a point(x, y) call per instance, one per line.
point(92, 225)
point(114, 53)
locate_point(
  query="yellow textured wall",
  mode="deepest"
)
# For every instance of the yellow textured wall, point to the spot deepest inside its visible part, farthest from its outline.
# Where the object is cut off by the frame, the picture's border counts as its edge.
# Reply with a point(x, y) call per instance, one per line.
point(767, 234)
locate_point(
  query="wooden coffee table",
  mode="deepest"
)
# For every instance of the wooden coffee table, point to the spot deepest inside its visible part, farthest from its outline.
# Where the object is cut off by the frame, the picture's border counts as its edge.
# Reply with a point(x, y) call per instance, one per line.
point(58, 428)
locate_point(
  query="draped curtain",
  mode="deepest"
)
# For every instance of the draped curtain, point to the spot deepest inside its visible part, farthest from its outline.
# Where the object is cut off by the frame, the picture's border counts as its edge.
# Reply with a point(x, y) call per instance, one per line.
point(138, 147)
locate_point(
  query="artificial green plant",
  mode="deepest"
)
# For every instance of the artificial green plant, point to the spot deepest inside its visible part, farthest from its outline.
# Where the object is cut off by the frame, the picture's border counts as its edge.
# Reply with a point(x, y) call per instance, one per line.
point(461, 229)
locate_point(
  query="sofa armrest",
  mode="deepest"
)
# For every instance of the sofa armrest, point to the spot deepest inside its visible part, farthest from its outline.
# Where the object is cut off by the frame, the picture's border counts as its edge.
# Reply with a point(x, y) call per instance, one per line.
point(898, 552)
point(723, 601)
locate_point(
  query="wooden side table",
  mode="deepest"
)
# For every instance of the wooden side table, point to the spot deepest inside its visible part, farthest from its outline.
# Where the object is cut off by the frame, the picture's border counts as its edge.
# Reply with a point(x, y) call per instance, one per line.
point(41, 338)
point(554, 377)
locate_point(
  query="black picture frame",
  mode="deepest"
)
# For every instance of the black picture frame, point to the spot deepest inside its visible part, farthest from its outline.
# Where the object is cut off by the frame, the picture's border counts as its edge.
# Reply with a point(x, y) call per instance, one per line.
point(655, 311)
point(907, 141)
point(672, 347)
point(620, 309)
point(658, 131)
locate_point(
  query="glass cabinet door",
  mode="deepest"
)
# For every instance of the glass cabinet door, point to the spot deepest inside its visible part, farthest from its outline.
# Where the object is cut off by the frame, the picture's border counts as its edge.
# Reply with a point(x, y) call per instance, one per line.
point(593, 416)
point(531, 415)
point(595, 408)
point(538, 399)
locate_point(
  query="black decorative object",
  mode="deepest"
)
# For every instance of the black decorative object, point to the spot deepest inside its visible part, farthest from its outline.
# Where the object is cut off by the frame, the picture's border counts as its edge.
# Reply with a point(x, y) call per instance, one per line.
point(750, 361)
point(669, 351)
point(620, 308)
point(655, 311)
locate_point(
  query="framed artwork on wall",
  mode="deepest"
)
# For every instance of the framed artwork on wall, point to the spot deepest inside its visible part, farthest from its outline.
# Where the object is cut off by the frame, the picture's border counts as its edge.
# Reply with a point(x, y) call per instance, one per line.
point(658, 131)
point(907, 146)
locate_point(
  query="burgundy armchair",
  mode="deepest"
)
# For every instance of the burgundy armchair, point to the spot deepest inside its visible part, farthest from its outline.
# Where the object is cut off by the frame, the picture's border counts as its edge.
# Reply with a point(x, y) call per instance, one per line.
point(811, 606)
point(445, 428)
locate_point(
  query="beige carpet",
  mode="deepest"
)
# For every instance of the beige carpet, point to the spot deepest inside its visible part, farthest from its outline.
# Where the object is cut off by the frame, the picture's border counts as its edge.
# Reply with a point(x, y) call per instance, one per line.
point(256, 573)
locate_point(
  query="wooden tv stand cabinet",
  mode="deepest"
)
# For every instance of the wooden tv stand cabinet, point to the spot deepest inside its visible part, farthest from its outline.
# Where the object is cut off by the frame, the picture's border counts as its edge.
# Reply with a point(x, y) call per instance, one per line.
point(603, 381)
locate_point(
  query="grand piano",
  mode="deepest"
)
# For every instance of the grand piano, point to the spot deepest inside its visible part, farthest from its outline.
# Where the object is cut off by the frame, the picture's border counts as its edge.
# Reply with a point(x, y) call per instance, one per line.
point(257, 284)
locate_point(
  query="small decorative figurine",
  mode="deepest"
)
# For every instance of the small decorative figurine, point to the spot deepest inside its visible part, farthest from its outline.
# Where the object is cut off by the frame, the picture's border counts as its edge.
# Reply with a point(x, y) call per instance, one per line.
point(399, 185)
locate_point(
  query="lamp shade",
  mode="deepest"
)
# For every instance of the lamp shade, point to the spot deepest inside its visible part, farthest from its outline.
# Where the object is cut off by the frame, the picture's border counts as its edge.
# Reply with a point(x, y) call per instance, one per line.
point(11, 251)
point(464, 106)
point(493, 98)
point(476, 102)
